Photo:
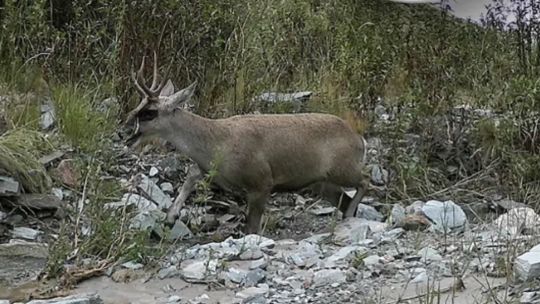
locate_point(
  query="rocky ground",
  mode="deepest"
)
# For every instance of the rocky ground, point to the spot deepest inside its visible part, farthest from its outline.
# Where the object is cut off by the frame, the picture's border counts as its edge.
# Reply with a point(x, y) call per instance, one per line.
point(425, 252)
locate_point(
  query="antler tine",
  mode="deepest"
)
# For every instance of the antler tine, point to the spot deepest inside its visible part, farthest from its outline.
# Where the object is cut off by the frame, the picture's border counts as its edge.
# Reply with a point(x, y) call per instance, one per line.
point(163, 80)
point(141, 82)
point(139, 88)
point(155, 74)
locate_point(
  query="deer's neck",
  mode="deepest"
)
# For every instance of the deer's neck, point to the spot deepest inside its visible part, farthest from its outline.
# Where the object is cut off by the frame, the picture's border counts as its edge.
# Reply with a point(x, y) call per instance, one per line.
point(196, 136)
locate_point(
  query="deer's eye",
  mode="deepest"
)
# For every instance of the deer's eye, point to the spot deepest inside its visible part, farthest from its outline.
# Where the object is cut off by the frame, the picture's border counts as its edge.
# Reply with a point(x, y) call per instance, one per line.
point(146, 115)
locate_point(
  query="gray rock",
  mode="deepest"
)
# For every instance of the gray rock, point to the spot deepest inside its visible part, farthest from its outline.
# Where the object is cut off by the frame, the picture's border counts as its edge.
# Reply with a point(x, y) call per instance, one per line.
point(446, 216)
point(236, 275)
point(74, 299)
point(153, 171)
point(368, 213)
point(249, 294)
point(21, 260)
point(26, 233)
point(3, 216)
point(392, 235)
point(132, 265)
point(154, 192)
point(47, 118)
point(109, 106)
point(319, 211)
point(516, 221)
point(328, 276)
point(372, 260)
point(251, 254)
point(428, 254)
point(254, 277)
point(9, 186)
point(180, 231)
point(527, 265)
point(167, 187)
point(174, 299)
point(145, 220)
point(350, 231)
point(260, 263)
point(49, 158)
point(420, 278)
point(168, 272)
point(415, 207)
point(132, 199)
point(198, 270)
point(230, 248)
point(344, 255)
point(397, 215)
point(379, 175)
point(530, 297)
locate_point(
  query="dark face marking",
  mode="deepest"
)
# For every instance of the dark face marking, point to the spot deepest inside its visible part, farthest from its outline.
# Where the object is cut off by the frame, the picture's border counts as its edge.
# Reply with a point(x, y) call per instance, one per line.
point(147, 114)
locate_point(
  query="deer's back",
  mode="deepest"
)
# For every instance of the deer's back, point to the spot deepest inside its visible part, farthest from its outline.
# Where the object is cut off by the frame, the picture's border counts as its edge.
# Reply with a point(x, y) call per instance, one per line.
point(295, 150)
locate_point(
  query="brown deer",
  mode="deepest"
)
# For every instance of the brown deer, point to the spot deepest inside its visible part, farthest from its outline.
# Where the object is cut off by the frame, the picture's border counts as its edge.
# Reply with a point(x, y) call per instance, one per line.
point(255, 154)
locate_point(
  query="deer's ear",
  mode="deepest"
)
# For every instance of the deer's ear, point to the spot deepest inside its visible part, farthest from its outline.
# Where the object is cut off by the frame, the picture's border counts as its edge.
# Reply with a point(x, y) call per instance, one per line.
point(181, 97)
point(168, 89)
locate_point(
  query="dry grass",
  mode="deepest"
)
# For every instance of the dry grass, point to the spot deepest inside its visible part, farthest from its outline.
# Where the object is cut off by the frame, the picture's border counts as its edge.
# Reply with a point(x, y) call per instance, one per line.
point(19, 153)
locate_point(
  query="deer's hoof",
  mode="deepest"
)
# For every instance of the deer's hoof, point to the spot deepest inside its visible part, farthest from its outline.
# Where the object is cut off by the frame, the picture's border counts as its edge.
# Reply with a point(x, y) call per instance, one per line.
point(171, 217)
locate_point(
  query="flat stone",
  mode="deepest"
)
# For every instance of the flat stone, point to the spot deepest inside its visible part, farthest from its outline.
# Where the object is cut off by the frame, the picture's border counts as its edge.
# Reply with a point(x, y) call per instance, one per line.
point(168, 272)
point(350, 231)
point(154, 192)
point(167, 187)
point(397, 215)
point(49, 158)
point(236, 275)
point(320, 211)
point(429, 255)
point(379, 175)
point(198, 270)
point(47, 117)
point(254, 277)
point(343, 255)
point(368, 213)
point(261, 263)
point(180, 231)
point(26, 233)
point(328, 276)
point(74, 299)
point(251, 293)
point(145, 220)
point(153, 171)
point(415, 207)
point(371, 260)
point(21, 260)
point(516, 221)
point(132, 265)
point(40, 201)
point(527, 266)
point(132, 199)
point(251, 254)
point(446, 216)
point(9, 186)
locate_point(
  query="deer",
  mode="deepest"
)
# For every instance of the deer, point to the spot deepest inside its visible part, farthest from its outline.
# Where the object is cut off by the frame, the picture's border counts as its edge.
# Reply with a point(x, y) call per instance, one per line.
point(255, 155)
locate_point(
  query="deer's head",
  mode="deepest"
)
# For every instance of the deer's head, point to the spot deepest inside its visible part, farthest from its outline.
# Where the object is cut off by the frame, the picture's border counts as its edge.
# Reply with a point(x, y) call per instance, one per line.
point(158, 104)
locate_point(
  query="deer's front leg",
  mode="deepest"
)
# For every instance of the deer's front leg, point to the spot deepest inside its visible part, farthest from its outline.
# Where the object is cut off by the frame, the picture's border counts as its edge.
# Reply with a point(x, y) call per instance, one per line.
point(193, 176)
point(256, 206)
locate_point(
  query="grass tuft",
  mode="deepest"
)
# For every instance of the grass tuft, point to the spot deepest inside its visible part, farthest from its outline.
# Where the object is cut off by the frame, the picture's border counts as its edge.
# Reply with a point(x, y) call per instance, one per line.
point(19, 153)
